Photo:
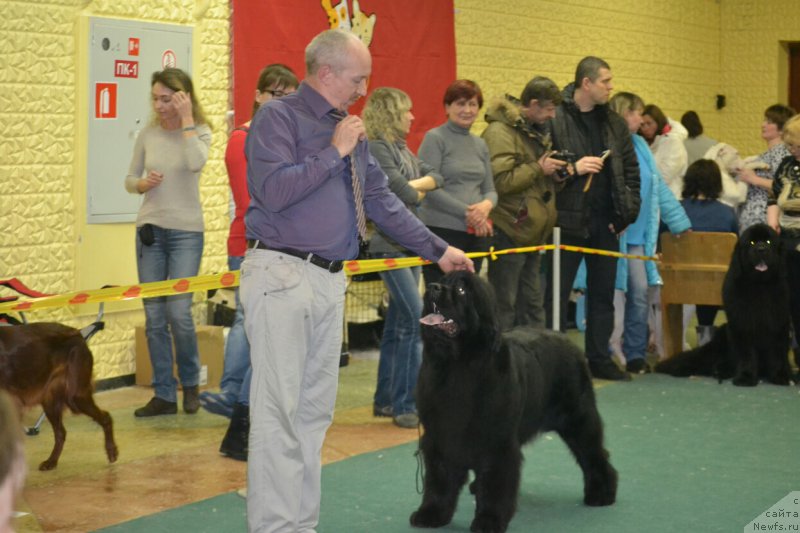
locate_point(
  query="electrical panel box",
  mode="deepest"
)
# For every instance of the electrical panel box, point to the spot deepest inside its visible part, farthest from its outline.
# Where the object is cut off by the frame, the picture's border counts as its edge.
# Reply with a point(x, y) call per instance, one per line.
point(123, 54)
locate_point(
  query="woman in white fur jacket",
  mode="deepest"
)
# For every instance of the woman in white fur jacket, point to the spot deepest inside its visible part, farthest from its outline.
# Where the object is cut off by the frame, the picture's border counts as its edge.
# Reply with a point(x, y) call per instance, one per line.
point(667, 147)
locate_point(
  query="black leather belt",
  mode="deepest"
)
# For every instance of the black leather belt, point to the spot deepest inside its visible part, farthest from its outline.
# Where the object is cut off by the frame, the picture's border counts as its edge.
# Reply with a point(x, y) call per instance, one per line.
point(314, 259)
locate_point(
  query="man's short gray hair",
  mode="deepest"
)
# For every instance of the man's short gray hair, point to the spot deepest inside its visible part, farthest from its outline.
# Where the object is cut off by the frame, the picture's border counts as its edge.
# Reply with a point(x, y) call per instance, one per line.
point(328, 48)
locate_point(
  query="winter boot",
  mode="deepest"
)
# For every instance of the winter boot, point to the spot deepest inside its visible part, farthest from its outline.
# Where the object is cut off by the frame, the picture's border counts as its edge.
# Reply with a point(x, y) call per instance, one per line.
point(191, 403)
point(234, 444)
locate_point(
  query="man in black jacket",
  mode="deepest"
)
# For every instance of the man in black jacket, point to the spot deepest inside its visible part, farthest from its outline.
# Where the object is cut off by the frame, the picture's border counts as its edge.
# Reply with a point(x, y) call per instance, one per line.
point(598, 201)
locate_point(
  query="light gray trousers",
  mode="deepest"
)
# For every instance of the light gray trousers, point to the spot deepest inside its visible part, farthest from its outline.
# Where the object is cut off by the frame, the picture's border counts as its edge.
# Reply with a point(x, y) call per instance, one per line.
point(294, 314)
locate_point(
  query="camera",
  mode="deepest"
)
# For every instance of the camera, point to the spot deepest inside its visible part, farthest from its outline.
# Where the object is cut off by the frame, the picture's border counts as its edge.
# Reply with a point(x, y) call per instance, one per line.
point(569, 158)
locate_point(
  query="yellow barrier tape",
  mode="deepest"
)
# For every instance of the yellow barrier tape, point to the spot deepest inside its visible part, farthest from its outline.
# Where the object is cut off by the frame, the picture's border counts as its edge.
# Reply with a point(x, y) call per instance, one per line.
point(127, 292)
point(369, 266)
point(231, 279)
point(608, 253)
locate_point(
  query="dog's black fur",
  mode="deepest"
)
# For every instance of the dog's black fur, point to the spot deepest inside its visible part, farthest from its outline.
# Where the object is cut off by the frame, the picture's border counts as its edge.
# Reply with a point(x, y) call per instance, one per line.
point(482, 394)
point(754, 344)
point(50, 364)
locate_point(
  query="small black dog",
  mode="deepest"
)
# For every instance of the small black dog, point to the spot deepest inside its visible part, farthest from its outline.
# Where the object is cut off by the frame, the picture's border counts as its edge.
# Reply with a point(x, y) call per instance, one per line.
point(754, 344)
point(482, 394)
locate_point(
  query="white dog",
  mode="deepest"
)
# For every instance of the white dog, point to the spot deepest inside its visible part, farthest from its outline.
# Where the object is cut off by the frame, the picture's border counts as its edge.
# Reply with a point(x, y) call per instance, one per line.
point(734, 192)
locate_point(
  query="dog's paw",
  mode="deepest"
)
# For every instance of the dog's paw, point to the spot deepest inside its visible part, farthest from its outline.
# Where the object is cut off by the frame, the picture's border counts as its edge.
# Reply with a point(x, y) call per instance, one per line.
point(784, 380)
point(601, 489)
point(50, 464)
point(113, 453)
point(430, 517)
point(745, 380)
point(488, 524)
point(600, 499)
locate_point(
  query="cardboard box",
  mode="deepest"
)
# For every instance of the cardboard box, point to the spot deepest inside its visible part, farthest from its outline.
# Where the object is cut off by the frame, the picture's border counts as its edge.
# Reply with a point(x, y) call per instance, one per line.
point(210, 344)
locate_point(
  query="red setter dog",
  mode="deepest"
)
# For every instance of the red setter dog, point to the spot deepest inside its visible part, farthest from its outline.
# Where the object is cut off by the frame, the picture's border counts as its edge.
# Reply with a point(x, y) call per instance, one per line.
point(50, 364)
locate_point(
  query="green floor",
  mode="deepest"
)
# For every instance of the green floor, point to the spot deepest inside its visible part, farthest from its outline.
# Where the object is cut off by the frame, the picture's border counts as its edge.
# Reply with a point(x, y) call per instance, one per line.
point(692, 456)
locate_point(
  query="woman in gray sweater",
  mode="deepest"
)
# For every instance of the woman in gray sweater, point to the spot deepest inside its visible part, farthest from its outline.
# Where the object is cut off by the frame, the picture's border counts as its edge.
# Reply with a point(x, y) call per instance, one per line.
point(387, 118)
point(459, 211)
point(168, 157)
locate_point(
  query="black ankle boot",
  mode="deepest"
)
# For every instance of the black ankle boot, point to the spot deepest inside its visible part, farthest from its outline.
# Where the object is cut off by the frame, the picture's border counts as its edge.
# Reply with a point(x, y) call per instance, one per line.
point(156, 407)
point(234, 444)
point(191, 402)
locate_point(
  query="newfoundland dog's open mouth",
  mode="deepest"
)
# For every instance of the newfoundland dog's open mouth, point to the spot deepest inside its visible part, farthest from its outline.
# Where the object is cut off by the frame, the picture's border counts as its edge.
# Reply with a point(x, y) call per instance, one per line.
point(760, 254)
point(437, 320)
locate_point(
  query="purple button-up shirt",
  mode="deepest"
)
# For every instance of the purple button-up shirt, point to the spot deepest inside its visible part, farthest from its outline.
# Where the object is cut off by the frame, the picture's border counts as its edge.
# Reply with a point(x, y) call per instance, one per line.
point(301, 195)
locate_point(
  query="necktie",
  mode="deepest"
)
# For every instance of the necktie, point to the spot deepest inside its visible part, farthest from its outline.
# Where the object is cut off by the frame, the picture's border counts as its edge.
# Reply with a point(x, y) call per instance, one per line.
point(358, 194)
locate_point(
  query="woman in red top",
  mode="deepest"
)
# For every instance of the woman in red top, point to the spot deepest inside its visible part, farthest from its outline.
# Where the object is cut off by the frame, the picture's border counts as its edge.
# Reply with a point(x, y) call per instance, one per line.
point(233, 399)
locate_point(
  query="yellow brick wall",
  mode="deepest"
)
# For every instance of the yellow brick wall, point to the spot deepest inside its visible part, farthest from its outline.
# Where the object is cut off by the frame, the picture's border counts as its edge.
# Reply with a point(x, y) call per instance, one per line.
point(44, 239)
point(754, 65)
point(678, 54)
point(666, 52)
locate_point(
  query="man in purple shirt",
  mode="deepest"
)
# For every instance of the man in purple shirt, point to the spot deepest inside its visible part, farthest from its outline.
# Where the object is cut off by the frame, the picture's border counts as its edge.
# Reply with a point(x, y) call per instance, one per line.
point(301, 223)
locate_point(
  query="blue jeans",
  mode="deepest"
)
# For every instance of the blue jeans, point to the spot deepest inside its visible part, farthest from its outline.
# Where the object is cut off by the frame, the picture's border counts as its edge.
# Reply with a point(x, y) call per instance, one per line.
point(401, 346)
point(236, 373)
point(635, 333)
point(175, 254)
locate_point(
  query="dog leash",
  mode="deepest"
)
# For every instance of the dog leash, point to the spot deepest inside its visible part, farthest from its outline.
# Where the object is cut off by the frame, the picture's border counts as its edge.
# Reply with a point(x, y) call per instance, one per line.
point(420, 476)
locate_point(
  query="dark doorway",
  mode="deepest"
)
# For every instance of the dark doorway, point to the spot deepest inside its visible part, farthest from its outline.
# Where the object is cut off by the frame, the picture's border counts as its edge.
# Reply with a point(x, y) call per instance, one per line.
point(794, 75)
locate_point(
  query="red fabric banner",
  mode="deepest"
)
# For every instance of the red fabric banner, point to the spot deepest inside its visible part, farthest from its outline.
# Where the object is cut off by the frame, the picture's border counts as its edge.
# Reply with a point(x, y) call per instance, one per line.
point(412, 44)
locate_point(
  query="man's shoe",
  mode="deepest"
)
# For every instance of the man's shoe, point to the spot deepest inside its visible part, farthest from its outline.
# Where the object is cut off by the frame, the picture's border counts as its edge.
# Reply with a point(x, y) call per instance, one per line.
point(638, 366)
point(382, 411)
point(217, 403)
point(191, 403)
point(606, 369)
point(406, 421)
point(156, 407)
point(234, 444)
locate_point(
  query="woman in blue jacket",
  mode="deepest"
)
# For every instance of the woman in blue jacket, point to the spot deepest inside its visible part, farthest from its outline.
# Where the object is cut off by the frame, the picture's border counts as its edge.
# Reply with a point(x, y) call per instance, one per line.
point(658, 203)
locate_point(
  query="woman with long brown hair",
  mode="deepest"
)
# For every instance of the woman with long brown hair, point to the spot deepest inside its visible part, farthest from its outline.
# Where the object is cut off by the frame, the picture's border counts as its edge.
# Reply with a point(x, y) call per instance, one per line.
point(168, 158)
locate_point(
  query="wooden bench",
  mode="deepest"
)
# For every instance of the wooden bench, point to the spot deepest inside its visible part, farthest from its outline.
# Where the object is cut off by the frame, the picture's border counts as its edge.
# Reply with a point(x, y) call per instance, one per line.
point(693, 267)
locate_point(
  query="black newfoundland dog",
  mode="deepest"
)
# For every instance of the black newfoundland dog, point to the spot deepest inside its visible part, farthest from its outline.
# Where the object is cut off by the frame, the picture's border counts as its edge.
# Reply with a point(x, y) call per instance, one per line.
point(482, 394)
point(754, 344)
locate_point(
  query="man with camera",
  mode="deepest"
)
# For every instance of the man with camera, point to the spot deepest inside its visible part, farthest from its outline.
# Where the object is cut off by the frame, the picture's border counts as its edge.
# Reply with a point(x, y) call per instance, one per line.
point(525, 177)
point(597, 202)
